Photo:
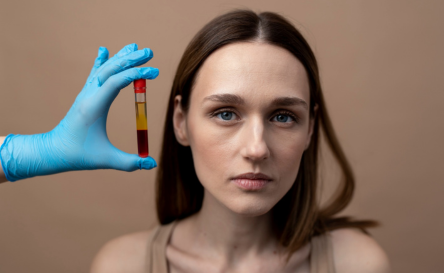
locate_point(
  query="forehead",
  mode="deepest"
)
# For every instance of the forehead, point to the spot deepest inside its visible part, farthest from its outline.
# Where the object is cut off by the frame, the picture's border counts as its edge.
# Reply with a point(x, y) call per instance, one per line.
point(252, 70)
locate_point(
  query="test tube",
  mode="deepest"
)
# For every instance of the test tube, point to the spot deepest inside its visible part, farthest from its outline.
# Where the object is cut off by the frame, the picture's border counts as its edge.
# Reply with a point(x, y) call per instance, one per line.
point(141, 120)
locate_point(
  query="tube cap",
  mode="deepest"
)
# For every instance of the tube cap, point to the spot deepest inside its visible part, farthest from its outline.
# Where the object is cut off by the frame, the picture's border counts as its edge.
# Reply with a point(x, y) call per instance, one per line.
point(140, 86)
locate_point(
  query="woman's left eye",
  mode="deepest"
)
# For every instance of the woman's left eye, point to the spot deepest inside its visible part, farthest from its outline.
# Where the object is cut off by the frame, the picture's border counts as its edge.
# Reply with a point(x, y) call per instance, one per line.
point(286, 116)
point(282, 116)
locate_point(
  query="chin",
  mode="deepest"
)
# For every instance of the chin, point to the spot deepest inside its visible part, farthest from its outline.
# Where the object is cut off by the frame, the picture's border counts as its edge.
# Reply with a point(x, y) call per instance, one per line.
point(250, 209)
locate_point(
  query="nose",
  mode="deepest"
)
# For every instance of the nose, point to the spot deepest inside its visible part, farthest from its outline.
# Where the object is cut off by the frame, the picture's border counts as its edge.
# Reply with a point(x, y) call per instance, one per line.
point(255, 145)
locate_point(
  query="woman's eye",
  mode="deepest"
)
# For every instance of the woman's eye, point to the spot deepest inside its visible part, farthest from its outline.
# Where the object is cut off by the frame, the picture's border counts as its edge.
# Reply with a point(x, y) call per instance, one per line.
point(225, 115)
point(285, 117)
point(281, 117)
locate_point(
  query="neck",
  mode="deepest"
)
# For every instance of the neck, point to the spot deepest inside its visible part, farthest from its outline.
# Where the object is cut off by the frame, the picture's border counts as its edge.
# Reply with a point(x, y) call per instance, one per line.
point(229, 234)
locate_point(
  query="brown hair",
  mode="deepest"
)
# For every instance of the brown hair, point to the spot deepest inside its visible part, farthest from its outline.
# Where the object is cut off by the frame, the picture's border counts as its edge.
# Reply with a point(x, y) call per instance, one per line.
point(297, 216)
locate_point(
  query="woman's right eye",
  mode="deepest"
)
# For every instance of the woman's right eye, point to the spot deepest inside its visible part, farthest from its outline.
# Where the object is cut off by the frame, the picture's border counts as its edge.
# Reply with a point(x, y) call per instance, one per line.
point(225, 115)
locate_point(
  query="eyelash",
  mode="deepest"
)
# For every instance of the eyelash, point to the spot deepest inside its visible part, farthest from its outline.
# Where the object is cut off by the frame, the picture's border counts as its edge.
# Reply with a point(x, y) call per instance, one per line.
point(290, 114)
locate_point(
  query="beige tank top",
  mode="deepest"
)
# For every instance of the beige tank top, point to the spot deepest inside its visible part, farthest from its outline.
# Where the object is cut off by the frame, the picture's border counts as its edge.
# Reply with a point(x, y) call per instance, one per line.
point(321, 256)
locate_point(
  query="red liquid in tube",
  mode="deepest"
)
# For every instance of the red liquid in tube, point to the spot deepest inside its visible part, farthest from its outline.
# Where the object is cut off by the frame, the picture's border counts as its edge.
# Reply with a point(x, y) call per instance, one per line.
point(142, 143)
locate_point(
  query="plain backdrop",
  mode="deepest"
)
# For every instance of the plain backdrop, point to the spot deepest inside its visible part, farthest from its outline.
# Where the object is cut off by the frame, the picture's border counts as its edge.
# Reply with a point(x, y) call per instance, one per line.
point(381, 66)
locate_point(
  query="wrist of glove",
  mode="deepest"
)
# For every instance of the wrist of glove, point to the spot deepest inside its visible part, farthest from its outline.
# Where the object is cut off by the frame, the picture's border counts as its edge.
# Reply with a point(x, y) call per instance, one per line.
point(22, 156)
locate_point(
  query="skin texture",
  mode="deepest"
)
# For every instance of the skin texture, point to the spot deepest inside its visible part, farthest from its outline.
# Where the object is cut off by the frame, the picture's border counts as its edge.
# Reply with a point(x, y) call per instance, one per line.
point(232, 232)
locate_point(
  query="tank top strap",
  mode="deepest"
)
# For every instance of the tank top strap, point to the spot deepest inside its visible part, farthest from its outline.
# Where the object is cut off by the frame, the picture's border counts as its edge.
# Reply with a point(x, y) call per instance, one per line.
point(321, 256)
point(156, 248)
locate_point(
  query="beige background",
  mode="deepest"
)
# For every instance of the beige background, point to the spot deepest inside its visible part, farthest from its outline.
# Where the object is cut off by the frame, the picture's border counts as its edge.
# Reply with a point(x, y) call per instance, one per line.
point(381, 67)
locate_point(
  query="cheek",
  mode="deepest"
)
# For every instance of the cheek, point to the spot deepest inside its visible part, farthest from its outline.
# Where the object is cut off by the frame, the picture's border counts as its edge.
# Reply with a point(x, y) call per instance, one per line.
point(212, 150)
point(289, 148)
point(288, 153)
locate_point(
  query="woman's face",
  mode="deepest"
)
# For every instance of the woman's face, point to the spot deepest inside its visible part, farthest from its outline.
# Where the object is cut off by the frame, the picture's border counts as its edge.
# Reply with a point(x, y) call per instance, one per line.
point(229, 138)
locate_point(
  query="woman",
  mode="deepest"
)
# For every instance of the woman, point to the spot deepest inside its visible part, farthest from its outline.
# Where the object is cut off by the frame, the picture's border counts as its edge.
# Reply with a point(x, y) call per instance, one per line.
point(236, 184)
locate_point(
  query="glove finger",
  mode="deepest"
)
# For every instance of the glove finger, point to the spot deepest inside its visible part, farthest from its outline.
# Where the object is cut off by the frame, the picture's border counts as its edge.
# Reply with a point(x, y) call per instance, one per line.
point(126, 49)
point(117, 65)
point(111, 88)
point(101, 59)
point(131, 162)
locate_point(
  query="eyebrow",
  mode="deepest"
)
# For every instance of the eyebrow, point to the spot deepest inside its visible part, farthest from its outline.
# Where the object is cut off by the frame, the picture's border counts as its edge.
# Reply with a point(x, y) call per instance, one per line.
point(238, 100)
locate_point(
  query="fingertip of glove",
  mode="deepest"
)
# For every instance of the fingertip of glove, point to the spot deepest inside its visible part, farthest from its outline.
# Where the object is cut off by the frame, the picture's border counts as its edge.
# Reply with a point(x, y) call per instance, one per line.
point(154, 72)
point(102, 56)
point(147, 163)
point(102, 50)
point(148, 52)
point(149, 72)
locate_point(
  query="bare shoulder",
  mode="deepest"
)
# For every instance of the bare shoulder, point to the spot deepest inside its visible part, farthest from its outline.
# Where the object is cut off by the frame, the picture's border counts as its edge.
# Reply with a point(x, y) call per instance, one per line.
point(355, 251)
point(126, 253)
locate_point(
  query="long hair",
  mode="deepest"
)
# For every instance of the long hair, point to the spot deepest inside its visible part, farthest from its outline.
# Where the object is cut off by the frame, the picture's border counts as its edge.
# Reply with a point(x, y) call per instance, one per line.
point(297, 216)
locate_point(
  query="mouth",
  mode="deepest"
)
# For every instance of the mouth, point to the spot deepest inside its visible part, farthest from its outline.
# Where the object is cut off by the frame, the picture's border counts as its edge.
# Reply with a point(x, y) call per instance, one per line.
point(259, 176)
point(251, 181)
point(250, 184)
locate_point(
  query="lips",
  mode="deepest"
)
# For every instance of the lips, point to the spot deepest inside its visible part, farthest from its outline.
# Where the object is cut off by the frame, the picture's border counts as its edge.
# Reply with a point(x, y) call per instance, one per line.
point(251, 181)
point(255, 176)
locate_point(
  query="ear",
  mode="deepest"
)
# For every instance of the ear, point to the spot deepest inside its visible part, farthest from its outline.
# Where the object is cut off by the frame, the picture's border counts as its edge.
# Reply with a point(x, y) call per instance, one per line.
point(179, 122)
point(311, 126)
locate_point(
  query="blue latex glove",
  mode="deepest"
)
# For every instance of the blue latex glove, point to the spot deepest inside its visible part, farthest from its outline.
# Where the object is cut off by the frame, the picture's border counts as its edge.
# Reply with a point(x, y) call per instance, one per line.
point(79, 141)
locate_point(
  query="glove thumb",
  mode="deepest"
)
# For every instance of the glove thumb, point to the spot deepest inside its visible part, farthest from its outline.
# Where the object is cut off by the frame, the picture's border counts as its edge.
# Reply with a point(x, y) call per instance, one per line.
point(131, 162)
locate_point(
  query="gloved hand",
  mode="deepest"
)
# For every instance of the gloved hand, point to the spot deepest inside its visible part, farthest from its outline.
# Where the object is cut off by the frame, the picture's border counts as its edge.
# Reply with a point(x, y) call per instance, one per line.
point(80, 141)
